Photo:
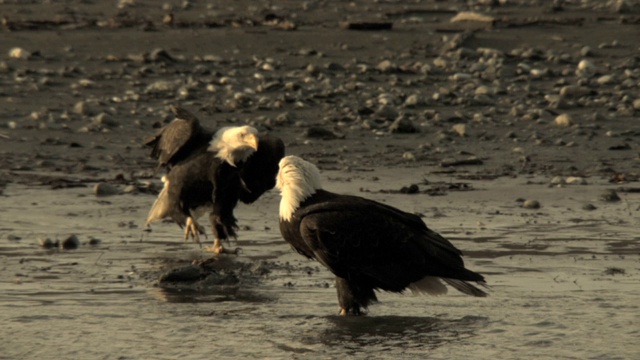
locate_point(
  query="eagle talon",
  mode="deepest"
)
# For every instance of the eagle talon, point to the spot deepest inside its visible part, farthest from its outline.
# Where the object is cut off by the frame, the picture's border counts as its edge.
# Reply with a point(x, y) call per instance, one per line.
point(218, 248)
point(222, 250)
point(193, 230)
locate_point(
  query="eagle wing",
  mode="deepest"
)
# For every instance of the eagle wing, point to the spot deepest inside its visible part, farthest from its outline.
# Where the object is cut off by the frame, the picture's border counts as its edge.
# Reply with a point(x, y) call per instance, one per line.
point(356, 237)
point(177, 137)
point(259, 172)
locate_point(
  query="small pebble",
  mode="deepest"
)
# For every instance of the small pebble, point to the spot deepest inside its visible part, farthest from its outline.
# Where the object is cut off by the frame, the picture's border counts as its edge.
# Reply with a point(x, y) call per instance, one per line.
point(105, 189)
point(610, 196)
point(47, 243)
point(70, 243)
point(563, 120)
point(531, 204)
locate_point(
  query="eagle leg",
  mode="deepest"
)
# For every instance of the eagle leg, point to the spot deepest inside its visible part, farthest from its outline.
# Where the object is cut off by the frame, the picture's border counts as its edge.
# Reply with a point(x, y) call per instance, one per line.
point(218, 248)
point(353, 297)
point(222, 229)
point(193, 230)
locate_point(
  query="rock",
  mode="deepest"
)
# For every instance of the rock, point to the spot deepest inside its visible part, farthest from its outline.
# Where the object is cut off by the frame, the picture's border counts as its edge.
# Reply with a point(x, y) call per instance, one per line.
point(385, 66)
point(636, 104)
point(614, 271)
point(586, 51)
point(163, 87)
point(104, 119)
point(412, 101)
point(160, 55)
point(531, 204)
point(47, 243)
point(589, 207)
point(83, 108)
point(19, 53)
point(105, 189)
point(189, 273)
point(317, 132)
point(610, 196)
point(563, 120)
point(576, 180)
point(574, 91)
point(461, 77)
point(558, 180)
point(218, 279)
point(408, 156)
point(605, 80)
point(350, 25)
point(403, 125)
point(70, 243)
point(585, 68)
point(472, 16)
point(387, 111)
point(621, 6)
point(460, 129)
point(411, 189)
point(461, 162)
point(285, 118)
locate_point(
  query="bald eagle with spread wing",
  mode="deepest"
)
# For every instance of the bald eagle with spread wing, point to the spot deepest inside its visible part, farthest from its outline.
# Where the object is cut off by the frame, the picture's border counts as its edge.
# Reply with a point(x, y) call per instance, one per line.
point(209, 172)
point(367, 245)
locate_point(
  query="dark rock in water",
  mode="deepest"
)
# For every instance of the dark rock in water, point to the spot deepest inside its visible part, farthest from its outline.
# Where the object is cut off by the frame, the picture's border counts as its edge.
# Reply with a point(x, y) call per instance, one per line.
point(614, 271)
point(365, 26)
point(589, 207)
point(623, 146)
point(610, 196)
point(70, 243)
point(94, 241)
point(105, 189)
point(411, 189)
point(461, 162)
point(531, 204)
point(47, 243)
point(187, 273)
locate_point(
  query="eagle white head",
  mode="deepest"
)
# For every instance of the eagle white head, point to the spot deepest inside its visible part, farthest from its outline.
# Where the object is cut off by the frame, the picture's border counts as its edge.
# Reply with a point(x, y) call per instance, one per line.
point(234, 144)
point(297, 180)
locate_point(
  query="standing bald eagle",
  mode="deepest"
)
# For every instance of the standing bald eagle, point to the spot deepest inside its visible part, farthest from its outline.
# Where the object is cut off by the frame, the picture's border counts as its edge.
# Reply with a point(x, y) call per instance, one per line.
point(209, 173)
point(366, 244)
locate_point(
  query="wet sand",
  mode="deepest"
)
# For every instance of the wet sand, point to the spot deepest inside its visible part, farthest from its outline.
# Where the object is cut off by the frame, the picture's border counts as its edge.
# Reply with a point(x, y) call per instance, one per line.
point(564, 277)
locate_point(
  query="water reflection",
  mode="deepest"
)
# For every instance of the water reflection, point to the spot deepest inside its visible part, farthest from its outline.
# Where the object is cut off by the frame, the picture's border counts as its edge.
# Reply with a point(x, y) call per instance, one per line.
point(221, 294)
point(387, 332)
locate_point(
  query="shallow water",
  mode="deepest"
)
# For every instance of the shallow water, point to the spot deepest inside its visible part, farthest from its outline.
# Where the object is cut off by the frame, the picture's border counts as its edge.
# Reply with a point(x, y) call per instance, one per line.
point(551, 295)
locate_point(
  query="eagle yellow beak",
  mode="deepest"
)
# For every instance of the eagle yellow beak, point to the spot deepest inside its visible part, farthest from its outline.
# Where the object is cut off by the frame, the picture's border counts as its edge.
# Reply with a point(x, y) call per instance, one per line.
point(252, 140)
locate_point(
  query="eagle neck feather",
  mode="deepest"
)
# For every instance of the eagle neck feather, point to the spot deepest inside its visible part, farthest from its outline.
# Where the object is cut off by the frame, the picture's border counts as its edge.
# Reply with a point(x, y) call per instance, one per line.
point(292, 196)
point(297, 180)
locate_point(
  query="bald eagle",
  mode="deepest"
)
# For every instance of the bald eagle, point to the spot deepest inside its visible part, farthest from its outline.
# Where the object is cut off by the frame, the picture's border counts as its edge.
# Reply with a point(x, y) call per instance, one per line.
point(367, 245)
point(210, 172)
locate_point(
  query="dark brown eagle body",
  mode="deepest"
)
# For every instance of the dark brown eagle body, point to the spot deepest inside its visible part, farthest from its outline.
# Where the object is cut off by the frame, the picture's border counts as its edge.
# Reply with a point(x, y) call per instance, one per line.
point(202, 184)
point(198, 181)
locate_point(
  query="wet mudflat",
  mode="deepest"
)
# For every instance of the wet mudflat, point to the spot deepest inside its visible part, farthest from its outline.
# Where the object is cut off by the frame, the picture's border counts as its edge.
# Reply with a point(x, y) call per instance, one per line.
point(564, 283)
point(504, 134)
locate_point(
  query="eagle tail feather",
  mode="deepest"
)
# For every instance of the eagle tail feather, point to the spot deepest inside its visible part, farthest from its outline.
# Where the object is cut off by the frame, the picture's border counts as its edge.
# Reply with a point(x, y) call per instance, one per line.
point(466, 288)
point(160, 208)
